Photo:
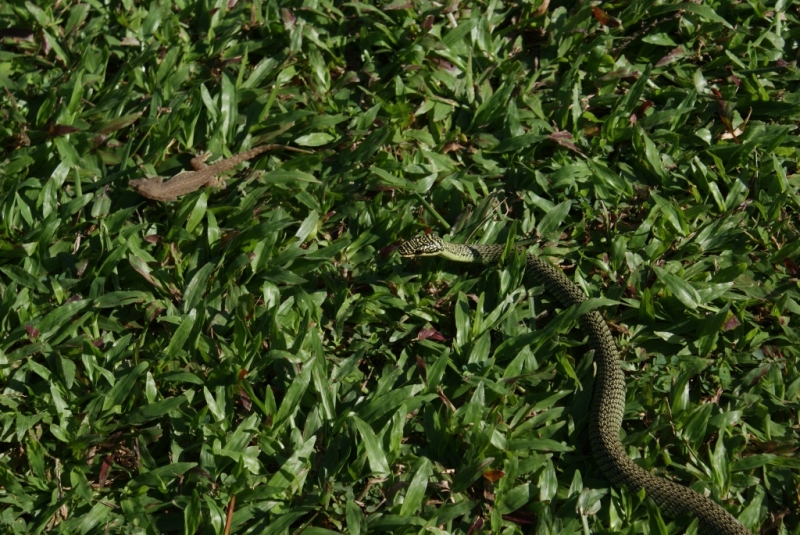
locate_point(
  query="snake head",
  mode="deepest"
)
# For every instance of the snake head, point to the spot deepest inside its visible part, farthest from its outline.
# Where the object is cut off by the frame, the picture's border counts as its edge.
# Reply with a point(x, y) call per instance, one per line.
point(422, 245)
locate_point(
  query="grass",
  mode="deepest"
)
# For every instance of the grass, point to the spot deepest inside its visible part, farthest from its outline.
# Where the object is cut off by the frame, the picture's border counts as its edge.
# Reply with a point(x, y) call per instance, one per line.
point(258, 359)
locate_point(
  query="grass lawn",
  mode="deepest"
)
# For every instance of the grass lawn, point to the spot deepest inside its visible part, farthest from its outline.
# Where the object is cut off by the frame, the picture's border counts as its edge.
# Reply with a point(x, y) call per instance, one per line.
point(259, 359)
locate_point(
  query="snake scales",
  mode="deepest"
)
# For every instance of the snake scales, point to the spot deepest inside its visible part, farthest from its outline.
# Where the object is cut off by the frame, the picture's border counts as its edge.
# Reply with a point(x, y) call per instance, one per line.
point(608, 404)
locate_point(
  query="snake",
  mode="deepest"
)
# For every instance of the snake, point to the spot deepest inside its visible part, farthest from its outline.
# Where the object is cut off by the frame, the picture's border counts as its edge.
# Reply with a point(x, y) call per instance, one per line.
point(608, 399)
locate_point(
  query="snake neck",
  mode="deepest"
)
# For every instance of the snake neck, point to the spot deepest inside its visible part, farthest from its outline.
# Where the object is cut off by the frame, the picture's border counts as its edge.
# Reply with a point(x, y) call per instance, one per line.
point(476, 254)
point(542, 271)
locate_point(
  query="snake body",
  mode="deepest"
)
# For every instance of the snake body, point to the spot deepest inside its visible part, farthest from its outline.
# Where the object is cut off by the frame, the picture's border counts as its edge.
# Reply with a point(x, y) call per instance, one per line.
point(608, 404)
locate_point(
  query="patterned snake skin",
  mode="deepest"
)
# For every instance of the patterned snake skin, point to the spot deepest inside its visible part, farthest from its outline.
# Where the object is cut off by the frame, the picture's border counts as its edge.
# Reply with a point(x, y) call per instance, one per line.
point(609, 390)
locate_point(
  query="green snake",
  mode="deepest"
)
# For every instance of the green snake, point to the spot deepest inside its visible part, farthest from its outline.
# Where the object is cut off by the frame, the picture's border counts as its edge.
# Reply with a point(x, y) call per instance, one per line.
point(608, 404)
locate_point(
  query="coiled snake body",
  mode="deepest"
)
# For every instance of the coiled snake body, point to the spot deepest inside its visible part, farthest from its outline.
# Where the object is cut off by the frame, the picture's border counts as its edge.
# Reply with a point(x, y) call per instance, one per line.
point(608, 404)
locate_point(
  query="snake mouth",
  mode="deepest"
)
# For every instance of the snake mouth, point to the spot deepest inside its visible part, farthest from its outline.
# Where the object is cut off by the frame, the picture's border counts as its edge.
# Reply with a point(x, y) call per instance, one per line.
point(405, 249)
